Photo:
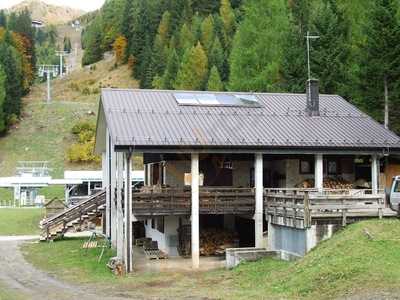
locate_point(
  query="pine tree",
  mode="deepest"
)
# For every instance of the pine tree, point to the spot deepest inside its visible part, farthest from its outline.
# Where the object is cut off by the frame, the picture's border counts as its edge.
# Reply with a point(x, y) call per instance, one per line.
point(67, 44)
point(164, 27)
point(330, 53)
point(207, 33)
point(380, 63)
point(217, 59)
point(228, 20)
point(256, 55)
point(294, 64)
point(93, 51)
point(193, 70)
point(3, 79)
point(3, 19)
point(168, 79)
point(52, 34)
point(196, 27)
point(186, 38)
point(205, 8)
point(214, 81)
point(187, 13)
point(12, 67)
point(159, 56)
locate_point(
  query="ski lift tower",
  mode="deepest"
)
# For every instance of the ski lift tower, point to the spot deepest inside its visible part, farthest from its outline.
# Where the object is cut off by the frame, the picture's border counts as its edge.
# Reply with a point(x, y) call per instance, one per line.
point(61, 54)
point(48, 71)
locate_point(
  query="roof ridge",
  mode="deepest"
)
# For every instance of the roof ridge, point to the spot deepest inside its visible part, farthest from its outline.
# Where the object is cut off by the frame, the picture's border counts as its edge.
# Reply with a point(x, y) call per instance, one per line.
point(208, 92)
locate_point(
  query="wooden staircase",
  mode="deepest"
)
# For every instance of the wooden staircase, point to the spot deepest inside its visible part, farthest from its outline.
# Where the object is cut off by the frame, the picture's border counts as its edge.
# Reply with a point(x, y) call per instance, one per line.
point(76, 217)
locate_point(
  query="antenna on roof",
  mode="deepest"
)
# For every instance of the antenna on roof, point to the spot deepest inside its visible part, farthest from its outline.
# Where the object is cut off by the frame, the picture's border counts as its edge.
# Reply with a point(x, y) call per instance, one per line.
point(309, 37)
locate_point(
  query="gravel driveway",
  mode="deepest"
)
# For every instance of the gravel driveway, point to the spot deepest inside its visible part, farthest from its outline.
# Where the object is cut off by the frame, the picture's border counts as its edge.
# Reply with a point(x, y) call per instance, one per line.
point(24, 280)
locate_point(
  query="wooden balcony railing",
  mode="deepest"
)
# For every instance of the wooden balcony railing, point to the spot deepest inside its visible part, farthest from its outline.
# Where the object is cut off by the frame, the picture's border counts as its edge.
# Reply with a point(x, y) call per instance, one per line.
point(298, 207)
point(172, 201)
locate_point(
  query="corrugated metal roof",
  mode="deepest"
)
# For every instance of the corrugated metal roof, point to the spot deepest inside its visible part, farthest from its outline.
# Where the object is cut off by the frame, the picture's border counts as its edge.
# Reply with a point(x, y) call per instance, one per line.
point(150, 118)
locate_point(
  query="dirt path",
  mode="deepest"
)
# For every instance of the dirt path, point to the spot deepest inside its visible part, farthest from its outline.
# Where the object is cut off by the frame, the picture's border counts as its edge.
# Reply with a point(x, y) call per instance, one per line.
point(27, 282)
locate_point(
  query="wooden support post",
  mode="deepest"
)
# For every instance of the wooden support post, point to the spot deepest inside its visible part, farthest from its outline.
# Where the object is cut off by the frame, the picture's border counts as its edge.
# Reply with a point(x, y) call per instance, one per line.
point(307, 212)
point(344, 217)
point(107, 186)
point(113, 184)
point(319, 172)
point(195, 211)
point(120, 213)
point(259, 192)
point(374, 174)
point(128, 215)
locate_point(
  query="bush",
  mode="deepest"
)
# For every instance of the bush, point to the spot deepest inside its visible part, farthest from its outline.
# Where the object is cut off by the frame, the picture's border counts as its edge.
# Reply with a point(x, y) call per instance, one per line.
point(85, 91)
point(74, 86)
point(12, 119)
point(82, 126)
point(82, 151)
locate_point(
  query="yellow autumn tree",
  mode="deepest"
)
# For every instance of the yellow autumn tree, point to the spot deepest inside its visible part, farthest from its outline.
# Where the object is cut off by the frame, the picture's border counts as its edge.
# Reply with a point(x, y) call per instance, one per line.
point(22, 44)
point(119, 48)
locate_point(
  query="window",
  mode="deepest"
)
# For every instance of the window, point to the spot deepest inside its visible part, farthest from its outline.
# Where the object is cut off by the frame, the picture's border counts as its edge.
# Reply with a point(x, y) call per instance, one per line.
point(208, 99)
point(397, 187)
point(333, 166)
point(306, 166)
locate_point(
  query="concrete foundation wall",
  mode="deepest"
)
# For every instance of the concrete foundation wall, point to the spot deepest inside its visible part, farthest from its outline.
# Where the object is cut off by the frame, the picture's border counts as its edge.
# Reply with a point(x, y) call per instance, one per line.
point(167, 241)
point(298, 241)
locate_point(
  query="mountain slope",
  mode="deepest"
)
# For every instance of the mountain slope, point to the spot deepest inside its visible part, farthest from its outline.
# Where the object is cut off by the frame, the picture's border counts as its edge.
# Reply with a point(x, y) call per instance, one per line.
point(48, 13)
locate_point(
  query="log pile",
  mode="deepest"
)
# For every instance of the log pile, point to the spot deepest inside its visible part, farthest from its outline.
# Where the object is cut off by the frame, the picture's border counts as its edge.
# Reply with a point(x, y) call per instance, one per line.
point(215, 241)
point(337, 184)
point(329, 183)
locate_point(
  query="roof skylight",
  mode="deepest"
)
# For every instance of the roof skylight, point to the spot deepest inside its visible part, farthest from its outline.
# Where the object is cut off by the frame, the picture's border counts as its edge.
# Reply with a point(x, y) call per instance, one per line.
point(209, 99)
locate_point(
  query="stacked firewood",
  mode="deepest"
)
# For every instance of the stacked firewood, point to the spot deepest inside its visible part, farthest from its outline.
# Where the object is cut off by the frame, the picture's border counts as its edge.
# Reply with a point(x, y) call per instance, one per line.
point(215, 241)
point(329, 183)
point(337, 184)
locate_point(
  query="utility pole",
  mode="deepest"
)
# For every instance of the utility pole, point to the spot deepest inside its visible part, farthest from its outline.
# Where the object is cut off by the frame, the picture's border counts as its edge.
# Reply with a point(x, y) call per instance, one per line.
point(48, 71)
point(61, 54)
point(309, 37)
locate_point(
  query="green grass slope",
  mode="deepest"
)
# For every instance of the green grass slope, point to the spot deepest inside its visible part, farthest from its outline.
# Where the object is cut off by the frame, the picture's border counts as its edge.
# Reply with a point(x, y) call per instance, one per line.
point(348, 264)
point(20, 221)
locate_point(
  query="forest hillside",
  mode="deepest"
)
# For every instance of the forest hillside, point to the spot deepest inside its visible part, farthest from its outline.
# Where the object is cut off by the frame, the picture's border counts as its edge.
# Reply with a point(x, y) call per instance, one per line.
point(256, 45)
point(48, 13)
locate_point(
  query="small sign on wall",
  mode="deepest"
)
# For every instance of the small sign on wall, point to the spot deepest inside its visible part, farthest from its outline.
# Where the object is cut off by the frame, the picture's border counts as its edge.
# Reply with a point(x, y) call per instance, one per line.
point(188, 179)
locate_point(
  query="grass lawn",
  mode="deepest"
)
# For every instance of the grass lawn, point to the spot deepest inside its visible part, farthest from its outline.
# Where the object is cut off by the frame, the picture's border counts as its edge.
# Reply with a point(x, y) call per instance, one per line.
point(20, 221)
point(7, 294)
point(346, 264)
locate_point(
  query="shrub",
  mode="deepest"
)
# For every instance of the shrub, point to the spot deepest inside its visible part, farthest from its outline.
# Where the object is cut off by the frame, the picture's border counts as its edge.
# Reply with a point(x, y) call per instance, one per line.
point(12, 119)
point(85, 91)
point(82, 151)
point(82, 126)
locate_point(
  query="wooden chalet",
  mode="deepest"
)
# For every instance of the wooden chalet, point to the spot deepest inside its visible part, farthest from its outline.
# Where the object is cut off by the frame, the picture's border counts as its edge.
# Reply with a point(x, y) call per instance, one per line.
point(247, 163)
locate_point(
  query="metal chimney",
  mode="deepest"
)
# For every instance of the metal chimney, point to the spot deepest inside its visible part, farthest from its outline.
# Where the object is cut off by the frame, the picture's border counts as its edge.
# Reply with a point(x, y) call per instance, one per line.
point(312, 97)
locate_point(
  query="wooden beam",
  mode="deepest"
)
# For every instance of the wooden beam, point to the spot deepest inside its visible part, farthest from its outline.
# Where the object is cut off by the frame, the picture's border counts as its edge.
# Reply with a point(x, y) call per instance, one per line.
point(319, 172)
point(259, 200)
point(107, 186)
point(113, 184)
point(195, 211)
point(120, 213)
point(375, 174)
point(128, 215)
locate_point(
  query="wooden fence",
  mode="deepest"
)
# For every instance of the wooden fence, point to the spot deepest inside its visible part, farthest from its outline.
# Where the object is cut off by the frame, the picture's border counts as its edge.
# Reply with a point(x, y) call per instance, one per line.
point(298, 207)
point(172, 201)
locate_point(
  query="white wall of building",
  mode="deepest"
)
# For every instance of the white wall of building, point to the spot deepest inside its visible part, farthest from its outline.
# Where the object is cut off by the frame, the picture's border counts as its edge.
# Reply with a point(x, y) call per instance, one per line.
point(167, 241)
